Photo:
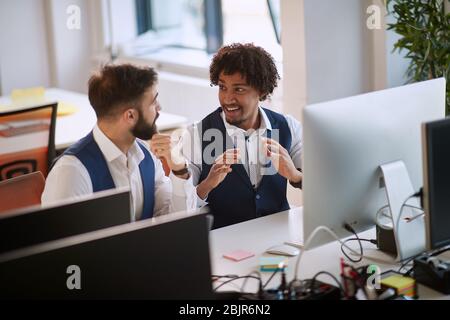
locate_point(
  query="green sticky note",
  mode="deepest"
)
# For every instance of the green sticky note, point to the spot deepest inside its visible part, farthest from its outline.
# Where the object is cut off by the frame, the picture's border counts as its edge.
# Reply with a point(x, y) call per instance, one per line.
point(272, 263)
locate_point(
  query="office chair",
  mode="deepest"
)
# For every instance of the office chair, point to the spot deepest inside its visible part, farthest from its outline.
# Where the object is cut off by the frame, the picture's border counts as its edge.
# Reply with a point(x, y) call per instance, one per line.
point(21, 191)
point(27, 137)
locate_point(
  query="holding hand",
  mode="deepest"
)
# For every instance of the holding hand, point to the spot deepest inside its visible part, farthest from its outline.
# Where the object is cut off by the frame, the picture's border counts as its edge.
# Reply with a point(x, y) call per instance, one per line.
point(219, 170)
point(281, 160)
point(162, 146)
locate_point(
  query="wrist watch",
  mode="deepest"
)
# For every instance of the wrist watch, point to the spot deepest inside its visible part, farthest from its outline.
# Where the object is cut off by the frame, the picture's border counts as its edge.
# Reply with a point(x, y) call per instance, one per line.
point(297, 185)
point(183, 171)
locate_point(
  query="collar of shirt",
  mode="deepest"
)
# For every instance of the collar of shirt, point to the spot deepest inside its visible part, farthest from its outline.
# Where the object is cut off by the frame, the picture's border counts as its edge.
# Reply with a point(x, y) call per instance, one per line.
point(112, 152)
point(236, 131)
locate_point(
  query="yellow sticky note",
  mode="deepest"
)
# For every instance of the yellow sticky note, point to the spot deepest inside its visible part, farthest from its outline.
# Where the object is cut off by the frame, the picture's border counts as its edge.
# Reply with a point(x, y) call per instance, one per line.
point(398, 281)
point(65, 109)
point(27, 96)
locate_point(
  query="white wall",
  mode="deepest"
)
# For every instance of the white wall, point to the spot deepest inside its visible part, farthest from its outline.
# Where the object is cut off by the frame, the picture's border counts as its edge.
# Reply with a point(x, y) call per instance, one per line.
point(70, 50)
point(125, 12)
point(294, 70)
point(24, 60)
point(38, 49)
point(294, 60)
point(337, 61)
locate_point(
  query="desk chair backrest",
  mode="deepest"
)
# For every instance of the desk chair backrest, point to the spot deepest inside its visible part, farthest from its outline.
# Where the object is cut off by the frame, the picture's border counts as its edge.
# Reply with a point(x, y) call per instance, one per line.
point(22, 191)
point(27, 140)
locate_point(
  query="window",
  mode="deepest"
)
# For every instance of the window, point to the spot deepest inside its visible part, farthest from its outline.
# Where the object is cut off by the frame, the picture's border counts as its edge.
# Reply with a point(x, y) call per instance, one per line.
point(192, 24)
point(187, 32)
point(254, 21)
point(274, 9)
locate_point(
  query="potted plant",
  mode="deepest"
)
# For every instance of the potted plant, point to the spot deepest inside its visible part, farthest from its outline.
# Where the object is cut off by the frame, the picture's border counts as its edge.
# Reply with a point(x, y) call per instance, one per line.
point(424, 27)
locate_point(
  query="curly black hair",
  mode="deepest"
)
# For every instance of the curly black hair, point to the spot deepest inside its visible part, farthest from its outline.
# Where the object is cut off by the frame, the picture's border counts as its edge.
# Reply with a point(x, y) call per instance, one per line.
point(255, 64)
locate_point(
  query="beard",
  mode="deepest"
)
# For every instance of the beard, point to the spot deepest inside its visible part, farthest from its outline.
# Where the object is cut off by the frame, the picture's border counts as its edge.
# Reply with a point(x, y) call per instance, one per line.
point(236, 121)
point(144, 130)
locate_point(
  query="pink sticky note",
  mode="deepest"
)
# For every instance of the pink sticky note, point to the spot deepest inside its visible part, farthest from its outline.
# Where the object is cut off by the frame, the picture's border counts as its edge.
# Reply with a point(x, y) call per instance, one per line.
point(238, 255)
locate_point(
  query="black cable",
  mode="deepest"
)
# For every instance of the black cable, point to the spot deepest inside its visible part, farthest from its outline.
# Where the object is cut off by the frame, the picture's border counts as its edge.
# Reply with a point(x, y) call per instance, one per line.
point(350, 229)
point(438, 251)
point(313, 281)
point(407, 273)
point(225, 276)
point(372, 241)
point(408, 261)
point(233, 279)
point(271, 277)
point(260, 280)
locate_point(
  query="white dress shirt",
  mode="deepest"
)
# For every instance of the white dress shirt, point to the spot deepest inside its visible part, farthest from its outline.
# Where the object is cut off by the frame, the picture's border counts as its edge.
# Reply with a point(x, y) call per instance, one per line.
point(69, 179)
point(249, 143)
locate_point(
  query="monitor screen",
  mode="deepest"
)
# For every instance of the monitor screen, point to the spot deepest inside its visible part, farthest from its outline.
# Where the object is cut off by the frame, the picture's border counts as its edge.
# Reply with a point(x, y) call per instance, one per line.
point(345, 143)
point(161, 258)
point(437, 182)
point(35, 225)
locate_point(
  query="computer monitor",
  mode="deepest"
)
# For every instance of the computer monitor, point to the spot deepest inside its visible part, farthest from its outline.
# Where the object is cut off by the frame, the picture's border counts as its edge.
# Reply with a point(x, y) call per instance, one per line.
point(35, 225)
point(161, 258)
point(436, 176)
point(345, 142)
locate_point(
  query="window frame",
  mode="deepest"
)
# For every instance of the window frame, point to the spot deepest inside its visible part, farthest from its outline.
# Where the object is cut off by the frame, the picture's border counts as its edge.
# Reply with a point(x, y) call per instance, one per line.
point(274, 22)
point(212, 13)
point(143, 16)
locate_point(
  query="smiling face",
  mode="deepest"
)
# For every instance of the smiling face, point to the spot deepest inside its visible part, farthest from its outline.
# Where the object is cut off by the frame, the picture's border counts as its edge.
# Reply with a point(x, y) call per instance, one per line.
point(239, 101)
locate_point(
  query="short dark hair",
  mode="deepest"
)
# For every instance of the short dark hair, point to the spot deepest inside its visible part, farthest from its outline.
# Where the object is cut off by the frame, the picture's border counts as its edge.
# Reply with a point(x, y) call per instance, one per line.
point(254, 63)
point(118, 85)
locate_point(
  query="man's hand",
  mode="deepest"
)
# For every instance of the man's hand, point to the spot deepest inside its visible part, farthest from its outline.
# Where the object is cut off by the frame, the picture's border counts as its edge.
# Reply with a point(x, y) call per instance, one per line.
point(163, 147)
point(220, 169)
point(282, 160)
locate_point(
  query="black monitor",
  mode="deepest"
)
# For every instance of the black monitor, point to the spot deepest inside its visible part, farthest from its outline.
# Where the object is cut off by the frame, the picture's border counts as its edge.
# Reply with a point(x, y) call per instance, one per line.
point(37, 225)
point(436, 158)
point(162, 258)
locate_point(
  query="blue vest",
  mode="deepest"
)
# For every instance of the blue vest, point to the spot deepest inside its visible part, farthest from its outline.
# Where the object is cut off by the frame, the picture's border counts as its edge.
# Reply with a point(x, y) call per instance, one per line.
point(90, 155)
point(235, 200)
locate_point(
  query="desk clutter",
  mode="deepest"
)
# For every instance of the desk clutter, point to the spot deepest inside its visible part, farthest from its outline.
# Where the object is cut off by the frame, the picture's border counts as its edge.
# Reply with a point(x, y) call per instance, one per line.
point(355, 283)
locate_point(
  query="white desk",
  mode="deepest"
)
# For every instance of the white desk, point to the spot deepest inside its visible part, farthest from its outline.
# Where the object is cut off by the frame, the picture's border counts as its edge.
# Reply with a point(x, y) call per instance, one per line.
point(259, 234)
point(71, 128)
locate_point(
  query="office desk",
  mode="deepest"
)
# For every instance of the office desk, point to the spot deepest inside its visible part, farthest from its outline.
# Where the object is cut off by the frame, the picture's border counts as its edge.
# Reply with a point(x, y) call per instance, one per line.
point(258, 235)
point(73, 127)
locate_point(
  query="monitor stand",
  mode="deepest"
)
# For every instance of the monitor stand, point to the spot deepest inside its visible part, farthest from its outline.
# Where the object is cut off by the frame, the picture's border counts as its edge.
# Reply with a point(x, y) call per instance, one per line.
point(409, 236)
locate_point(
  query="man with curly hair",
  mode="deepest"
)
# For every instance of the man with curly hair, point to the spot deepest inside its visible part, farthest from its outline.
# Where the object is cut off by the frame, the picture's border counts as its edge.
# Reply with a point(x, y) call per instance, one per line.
point(242, 155)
